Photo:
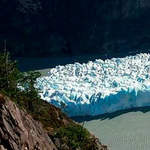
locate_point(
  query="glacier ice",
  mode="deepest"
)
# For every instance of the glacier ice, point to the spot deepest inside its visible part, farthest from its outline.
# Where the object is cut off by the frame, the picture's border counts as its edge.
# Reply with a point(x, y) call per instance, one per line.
point(98, 87)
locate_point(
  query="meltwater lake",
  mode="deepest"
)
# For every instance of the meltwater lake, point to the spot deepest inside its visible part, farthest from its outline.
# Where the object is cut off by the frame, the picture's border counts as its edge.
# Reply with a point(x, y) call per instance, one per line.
point(122, 130)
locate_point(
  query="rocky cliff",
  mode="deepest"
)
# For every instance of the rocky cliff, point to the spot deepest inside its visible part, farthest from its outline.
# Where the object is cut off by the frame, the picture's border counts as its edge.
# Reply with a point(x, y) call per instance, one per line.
point(19, 131)
point(60, 28)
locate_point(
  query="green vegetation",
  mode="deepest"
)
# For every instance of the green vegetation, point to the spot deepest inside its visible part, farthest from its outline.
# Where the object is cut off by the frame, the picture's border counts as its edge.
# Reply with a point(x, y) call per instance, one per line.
point(20, 88)
point(76, 137)
point(17, 85)
point(9, 74)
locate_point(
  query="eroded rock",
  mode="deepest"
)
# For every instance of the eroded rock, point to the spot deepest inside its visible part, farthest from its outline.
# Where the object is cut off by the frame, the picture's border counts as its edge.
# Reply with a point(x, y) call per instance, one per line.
point(19, 131)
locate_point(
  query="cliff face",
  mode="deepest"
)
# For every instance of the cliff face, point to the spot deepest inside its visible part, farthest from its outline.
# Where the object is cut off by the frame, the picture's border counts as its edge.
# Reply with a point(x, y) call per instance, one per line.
point(59, 28)
point(19, 131)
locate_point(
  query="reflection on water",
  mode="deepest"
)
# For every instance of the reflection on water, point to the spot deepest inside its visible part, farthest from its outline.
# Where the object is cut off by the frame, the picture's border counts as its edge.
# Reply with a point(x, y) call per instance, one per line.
point(122, 130)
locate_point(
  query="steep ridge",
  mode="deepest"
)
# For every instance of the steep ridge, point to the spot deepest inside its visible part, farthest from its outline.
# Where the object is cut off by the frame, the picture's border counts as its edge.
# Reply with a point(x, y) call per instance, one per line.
point(19, 131)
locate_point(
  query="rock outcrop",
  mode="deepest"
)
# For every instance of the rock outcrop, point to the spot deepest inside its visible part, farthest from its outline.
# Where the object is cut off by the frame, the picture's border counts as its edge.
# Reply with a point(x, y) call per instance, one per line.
point(19, 131)
point(96, 141)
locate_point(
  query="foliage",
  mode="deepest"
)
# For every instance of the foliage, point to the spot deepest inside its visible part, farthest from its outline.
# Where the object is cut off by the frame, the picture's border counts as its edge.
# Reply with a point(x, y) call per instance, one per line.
point(9, 73)
point(75, 136)
point(16, 84)
point(30, 92)
point(20, 88)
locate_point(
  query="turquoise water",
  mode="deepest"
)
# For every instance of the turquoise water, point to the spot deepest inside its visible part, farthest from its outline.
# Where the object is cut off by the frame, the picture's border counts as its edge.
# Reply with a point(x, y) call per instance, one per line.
point(124, 130)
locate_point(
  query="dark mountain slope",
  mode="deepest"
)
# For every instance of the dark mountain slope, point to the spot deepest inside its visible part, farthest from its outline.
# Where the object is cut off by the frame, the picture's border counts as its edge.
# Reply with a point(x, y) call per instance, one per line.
point(66, 28)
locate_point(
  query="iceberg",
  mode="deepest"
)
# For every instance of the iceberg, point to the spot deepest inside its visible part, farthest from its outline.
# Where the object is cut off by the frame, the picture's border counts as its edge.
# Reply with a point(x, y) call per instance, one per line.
point(98, 87)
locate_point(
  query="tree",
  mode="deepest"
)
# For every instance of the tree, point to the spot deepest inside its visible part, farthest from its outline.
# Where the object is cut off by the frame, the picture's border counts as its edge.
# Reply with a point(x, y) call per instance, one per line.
point(9, 73)
point(28, 82)
point(16, 84)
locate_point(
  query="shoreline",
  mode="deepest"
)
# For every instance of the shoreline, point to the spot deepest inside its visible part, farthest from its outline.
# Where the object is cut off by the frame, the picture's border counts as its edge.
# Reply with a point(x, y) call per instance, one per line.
point(122, 131)
point(112, 115)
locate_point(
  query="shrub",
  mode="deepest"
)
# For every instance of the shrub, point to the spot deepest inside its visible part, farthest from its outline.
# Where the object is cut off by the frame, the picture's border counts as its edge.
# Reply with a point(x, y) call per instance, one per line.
point(75, 136)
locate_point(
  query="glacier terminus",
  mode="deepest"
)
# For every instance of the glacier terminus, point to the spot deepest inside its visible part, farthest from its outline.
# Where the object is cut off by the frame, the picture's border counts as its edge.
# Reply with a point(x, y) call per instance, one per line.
point(98, 87)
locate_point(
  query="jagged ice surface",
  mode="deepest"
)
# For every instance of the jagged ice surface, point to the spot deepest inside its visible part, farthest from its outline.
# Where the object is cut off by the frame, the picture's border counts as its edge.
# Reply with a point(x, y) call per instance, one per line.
point(98, 87)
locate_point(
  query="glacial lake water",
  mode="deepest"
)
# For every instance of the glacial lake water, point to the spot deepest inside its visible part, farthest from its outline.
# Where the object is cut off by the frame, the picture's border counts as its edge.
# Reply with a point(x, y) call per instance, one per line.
point(122, 130)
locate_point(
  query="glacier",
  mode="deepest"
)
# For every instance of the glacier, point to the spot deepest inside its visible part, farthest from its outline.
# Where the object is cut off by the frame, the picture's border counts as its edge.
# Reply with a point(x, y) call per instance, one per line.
point(98, 87)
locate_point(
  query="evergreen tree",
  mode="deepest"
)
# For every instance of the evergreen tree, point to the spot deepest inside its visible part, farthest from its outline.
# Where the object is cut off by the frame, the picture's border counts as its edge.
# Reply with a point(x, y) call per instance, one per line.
point(18, 85)
point(28, 82)
point(9, 73)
